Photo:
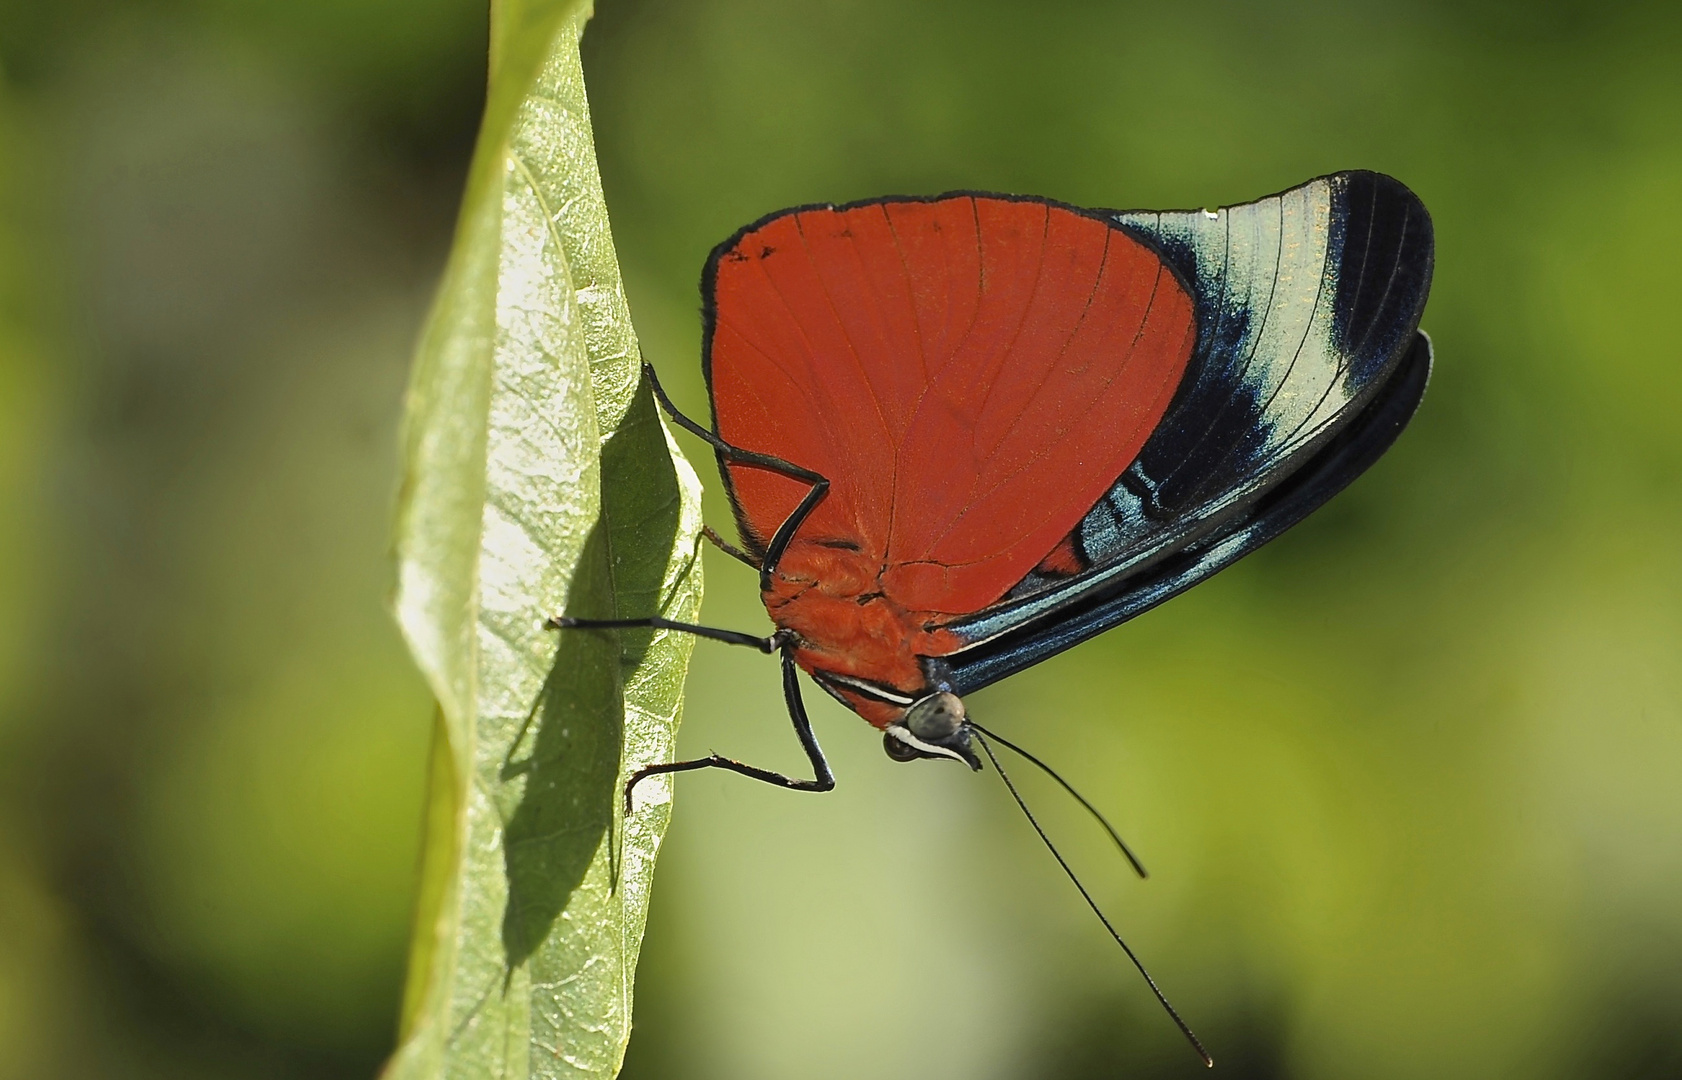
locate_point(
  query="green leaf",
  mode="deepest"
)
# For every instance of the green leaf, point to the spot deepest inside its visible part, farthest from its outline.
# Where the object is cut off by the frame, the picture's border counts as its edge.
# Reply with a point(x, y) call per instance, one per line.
point(540, 479)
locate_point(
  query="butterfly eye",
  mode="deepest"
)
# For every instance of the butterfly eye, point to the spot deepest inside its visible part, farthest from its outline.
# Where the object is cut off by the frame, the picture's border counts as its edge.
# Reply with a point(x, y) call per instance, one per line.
point(935, 718)
point(900, 751)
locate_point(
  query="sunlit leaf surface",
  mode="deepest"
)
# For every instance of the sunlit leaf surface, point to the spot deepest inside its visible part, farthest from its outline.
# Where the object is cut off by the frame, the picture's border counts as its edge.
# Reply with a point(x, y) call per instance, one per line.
point(540, 481)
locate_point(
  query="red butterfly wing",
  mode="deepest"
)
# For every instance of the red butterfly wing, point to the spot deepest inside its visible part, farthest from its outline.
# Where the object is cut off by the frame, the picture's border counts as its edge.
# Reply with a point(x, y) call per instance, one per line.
point(972, 373)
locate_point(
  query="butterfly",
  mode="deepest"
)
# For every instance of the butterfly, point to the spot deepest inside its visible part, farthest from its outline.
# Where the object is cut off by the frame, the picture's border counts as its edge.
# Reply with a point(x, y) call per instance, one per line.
point(963, 433)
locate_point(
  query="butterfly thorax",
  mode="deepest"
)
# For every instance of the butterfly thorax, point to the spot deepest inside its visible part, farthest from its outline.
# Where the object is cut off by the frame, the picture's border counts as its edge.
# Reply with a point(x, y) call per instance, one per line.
point(849, 625)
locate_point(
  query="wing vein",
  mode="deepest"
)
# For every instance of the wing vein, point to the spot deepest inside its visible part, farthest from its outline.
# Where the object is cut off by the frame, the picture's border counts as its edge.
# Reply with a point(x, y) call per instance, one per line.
point(1064, 349)
point(1040, 455)
point(1250, 354)
point(1021, 321)
point(1390, 282)
point(852, 347)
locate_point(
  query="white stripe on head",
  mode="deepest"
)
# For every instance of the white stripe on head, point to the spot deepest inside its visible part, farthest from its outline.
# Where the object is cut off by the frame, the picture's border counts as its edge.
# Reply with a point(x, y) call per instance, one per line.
point(903, 734)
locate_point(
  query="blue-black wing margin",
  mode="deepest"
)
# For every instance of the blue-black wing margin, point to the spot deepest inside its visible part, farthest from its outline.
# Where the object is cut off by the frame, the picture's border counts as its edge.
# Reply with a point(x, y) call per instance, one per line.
point(1309, 364)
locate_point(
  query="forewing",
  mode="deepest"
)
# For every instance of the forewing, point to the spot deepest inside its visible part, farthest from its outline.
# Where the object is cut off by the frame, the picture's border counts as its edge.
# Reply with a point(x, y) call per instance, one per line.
point(1307, 303)
point(971, 373)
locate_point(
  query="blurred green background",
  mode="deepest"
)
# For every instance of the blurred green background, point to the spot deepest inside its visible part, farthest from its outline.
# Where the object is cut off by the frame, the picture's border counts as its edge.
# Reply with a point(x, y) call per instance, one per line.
point(1409, 780)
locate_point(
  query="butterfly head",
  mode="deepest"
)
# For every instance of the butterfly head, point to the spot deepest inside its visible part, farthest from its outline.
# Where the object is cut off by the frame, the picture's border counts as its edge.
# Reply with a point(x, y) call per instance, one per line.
point(934, 726)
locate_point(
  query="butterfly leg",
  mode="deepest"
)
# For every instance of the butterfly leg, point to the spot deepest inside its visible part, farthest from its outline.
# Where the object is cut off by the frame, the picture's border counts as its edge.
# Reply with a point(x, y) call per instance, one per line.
point(766, 645)
point(728, 548)
point(736, 455)
point(824, 778)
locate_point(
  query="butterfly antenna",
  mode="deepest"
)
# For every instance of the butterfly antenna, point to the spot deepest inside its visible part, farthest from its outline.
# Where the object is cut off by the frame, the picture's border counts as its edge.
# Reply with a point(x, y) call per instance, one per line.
point(1127, 852)
point(986, 745)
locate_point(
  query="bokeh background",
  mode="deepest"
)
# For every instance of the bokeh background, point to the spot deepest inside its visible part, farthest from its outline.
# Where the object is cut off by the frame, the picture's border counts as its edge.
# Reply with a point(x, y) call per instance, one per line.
point(1409, 780)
